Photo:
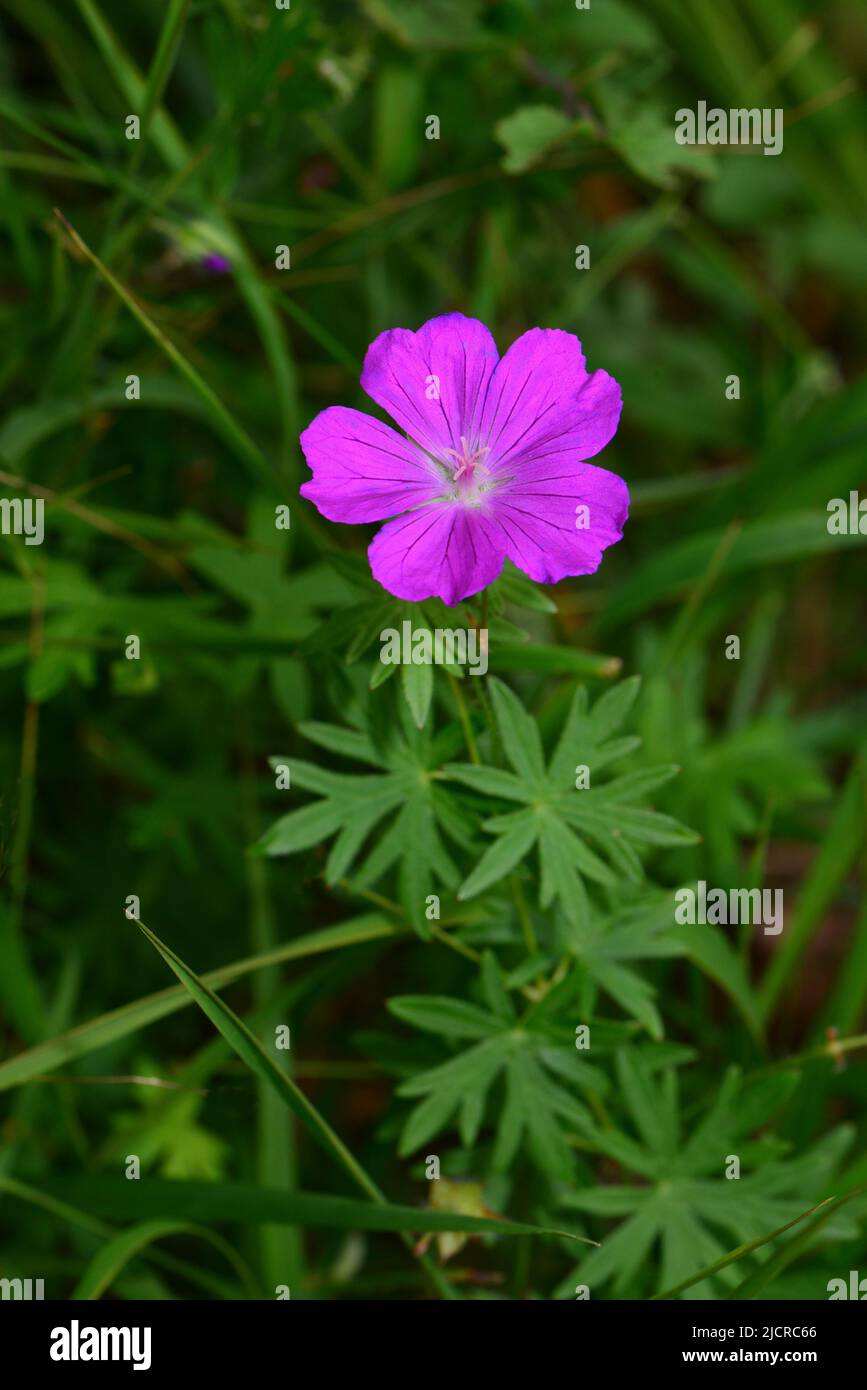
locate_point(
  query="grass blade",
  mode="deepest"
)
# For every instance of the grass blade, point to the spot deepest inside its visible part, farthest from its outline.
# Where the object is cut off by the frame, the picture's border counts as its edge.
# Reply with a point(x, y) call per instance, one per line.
point(226, 424)
point(736, 1254)
point(843, 841)
point(110, 1261)
point(246, 1203)
point(756, 1283)
point(86, 1221)
point(248, 1048)
point(119, 1023)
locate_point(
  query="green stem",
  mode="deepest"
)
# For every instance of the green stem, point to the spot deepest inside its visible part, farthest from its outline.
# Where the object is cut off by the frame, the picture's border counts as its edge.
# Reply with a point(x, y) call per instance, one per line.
point(523, 912)
point(464, 716)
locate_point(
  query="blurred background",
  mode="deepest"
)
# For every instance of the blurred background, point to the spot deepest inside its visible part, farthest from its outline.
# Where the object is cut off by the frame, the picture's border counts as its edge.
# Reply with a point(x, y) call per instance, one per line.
point(205, 290)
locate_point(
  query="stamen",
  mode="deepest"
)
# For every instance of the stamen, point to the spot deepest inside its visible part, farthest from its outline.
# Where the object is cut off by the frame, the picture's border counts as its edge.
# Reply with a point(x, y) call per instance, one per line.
point(467, 459)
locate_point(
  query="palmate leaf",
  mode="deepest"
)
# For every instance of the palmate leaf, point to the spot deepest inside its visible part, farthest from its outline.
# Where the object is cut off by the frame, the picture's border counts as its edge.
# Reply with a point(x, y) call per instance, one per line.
point(614, 941)
point(684, 1201)
point(531, 1060)
point(582, 834)
point(612, 944)
point(401, 792)
point(166, 1132)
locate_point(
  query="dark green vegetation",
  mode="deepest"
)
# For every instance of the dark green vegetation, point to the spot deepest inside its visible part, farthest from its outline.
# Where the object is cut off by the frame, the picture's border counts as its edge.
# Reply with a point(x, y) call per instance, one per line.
point(413, 1037)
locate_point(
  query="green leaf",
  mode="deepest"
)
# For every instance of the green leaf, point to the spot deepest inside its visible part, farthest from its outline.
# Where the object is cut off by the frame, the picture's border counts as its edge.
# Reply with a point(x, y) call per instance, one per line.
point(353, 805)
point(710, 950)
point(557, 805)
point(529, 133)
point(488, 781)
point(654, 1120)
point(519, 732)
point(632, 993)
point(429, 25)
point(301, 829)
point(551, 660)
point(501, 857)
point(496, 996)
point(645, 139)
point(612, 708)
point(451, 1018)
point(525, 1055)
point(417, 683)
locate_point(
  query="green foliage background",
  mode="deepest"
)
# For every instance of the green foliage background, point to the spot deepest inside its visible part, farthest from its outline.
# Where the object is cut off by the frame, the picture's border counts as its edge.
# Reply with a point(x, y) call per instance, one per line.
point(305, 128)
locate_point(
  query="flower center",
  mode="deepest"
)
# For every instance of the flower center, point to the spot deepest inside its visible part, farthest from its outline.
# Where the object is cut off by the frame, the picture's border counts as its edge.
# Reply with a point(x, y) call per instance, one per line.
point(469, 468)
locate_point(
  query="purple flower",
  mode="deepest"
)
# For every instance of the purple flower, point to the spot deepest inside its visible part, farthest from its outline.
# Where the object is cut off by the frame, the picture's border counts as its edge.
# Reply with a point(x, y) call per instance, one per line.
point(217, 264)
point(490, 464)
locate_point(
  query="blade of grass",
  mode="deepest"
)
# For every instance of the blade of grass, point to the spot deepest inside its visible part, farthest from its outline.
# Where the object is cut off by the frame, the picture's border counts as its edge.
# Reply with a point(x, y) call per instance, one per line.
point(736, 1254)
point(113, 1257)
point(74, 1216)
point(255, 293)
point(119, 1023)
point(757, 1282)
point(685, 621)
point(82, 342)
point(769, 541)
point(163, 62)
point(281, 1253)
point(246, 1203)
point(322, 335)
point(89, 166)
point(843, 841)
point(130, 82)
point(20, 989)
point(849, 998)
point(250, 1050)
point(226, 424)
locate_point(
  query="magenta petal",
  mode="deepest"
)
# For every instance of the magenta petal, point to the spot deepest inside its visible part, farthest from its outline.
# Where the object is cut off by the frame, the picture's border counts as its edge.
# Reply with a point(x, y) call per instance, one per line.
point(541, 526)
point(444, 550)
point(363, 470)
point(542, 396)
point(433, 382)
point(494, 464)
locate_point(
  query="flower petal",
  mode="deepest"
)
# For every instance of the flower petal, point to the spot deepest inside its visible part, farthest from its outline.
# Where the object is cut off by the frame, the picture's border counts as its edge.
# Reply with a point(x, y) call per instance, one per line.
point(541, 396)
point(445, 550)
point(540, 526)
point(432, 382)
point(363, 470)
